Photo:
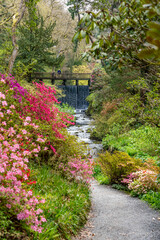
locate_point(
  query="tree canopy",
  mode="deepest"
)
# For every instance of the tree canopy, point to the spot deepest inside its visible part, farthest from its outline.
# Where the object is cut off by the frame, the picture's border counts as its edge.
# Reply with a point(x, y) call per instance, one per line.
point(118, 33)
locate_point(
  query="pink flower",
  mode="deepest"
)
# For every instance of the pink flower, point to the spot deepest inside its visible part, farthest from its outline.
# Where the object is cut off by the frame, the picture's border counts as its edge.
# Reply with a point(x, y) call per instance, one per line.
point(39, 211)
point(28, 119)
point(4, 103)
point(43, 219)
point(12, 106)
point(8, 206)
point(2, 169)
point(2, 95)
point(1, 114)
point(9, 111)
point(24, 131)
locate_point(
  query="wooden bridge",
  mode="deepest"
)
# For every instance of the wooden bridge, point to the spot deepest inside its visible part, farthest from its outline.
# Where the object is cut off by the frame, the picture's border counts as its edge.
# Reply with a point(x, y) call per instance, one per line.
point(64, 76)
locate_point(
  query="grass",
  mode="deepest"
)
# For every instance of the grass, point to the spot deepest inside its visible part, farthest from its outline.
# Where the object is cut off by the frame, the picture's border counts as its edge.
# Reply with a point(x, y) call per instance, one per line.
point(67, 203)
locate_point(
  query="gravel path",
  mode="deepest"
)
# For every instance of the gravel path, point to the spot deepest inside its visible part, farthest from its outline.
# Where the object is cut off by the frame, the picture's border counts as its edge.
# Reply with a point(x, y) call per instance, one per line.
point(117, 216)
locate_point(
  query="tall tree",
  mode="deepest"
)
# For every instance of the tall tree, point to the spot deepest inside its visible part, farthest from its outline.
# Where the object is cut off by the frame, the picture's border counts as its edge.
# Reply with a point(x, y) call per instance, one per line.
point(36, 43)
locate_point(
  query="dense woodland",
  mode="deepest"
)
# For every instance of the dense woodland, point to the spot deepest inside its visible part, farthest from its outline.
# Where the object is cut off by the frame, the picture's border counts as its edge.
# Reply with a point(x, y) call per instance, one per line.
point(45, 172)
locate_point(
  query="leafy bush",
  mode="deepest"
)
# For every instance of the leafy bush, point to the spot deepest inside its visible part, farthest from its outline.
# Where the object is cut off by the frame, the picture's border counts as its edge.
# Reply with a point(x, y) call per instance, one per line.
point(99, 176)
point(66, 108)
point(10, 227)
point(142, 142)
point(78, 168)
point(153, 198)
point(136, 103)
point(118, 165)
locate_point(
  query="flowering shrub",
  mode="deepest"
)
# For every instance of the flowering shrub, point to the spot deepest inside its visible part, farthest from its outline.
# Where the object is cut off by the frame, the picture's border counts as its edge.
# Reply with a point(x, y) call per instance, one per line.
point(118, 165)
point(19, 91)
point(142, 181)
point(78, 168)
point(18, 143)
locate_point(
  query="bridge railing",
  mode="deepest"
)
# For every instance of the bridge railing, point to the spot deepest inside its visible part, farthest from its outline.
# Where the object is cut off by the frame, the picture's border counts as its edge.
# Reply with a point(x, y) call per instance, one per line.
point(61, 76)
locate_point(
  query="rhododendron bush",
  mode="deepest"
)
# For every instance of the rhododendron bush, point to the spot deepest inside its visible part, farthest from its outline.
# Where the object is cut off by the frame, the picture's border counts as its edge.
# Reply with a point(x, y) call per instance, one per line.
point(142, 181)
point(79, 168)
point(16, 147)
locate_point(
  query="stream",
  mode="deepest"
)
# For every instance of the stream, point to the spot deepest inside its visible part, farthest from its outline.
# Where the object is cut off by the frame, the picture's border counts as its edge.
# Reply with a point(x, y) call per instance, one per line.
point(81, 130)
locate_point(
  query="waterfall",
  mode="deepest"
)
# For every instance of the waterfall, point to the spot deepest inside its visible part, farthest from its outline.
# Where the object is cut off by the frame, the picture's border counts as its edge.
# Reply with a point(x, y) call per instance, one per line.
point(75, 96)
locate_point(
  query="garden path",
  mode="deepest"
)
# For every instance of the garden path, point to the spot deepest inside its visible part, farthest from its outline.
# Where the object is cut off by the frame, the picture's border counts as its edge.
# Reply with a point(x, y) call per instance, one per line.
point(115, 215)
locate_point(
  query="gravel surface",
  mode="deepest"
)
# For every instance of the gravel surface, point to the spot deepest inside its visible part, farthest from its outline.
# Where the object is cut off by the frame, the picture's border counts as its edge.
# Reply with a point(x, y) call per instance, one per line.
point(117, 216)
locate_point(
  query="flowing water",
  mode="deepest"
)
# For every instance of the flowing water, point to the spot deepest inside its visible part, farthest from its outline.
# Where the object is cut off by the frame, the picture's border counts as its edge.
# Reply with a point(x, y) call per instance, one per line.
point(81, 130)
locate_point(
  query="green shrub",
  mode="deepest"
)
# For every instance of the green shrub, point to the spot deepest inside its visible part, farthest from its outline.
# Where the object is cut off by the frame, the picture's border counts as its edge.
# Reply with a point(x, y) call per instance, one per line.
point(118, 165)
point(10, 227)
point(99, 176)
point(142, 142)
point(153, 198)
point(66, 108)
point(119, 187)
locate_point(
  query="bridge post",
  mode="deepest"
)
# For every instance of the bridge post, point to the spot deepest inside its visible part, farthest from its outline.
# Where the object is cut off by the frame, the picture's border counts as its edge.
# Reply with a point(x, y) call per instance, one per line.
point(53, 80)
point(76, 82)
point(64, 82)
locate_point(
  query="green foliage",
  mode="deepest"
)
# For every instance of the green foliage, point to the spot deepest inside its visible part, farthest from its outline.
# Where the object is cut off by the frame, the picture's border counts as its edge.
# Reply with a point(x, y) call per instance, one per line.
point(153, 198)
point(142, 142)
point(65, 149)
point(5, 36)
point(126, 109)
point(67, 203)
point(22, 71)
point(119, 32)
point(144, 105)
point(117, 165)
point(10, 227)
point(36, 43)
point(99, 176)
point(106, 87)
point(66, 108)
point(120, 187)
point(151, 52)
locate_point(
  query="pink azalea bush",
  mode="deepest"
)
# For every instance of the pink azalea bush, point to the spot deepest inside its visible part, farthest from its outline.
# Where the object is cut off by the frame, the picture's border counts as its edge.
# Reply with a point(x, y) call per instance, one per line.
point(42, 107)
point(78, 168)
point(142, 181)
point(16, 148)
point(22, 139)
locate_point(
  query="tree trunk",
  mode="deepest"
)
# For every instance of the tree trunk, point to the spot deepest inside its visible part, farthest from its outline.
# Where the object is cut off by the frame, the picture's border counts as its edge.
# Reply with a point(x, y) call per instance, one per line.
point(16, 20)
